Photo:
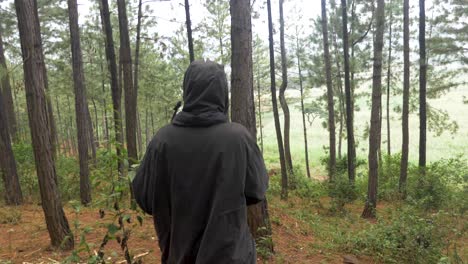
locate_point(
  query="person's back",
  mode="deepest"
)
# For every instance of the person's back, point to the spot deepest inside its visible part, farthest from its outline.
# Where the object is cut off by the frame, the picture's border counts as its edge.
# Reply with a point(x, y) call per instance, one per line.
point(198, 176)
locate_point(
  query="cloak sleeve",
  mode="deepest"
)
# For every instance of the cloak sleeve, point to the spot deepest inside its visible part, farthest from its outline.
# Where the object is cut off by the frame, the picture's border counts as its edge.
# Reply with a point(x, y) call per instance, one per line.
point(256, 182)
point(144, 183)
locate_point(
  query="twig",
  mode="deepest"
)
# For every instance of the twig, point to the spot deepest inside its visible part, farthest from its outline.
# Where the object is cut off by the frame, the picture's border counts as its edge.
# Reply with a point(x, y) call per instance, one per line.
point(135, 257)
point(30, 253)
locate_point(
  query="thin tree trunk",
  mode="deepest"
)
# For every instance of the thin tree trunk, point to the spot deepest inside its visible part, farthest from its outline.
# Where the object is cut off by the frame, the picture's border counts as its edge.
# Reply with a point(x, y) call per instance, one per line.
point(147, 134)
point(152, 123)
point(104, 103)
point(91, 140)
point(72, 128)
point(260, 124)
point(96, 122)
point(242, 101)
point(115, 88)
point(306, 147)
point(7, 95)
point(331, 107)
point(137, 64)
point(405, 110)
point(12, 194)
point(39, 121)
point(81, 105)
point(279, 137)
point(341, 93)
point(282, 98)
point(139, 140)
point(389, 71)
point(349, 107)
point(189, 30)
point(422, 85)
point(129, 89)
point(375, 131)
point(59, 119)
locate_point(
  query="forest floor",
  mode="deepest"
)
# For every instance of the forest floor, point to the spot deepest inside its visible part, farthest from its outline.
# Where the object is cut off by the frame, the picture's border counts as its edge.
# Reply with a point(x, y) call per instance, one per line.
point(25, 239)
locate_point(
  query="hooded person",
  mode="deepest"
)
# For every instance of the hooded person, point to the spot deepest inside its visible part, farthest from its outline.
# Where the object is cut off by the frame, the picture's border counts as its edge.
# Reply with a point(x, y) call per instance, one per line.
point(198, 176)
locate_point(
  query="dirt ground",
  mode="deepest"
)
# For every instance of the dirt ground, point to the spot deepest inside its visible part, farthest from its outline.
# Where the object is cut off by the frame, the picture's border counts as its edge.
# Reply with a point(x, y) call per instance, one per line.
point(28, 240)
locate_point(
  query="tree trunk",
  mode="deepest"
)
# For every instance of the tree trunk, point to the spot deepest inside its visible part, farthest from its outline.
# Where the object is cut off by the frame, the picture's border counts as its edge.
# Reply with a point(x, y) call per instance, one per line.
point(81, 105)
point(147, 134)
point(39, 121)
point(340, 91)
point(349, 108)
point(130, 92)
point(104, 103)
point(242, 100)
point(406, 91)
point(59, 120)
point(139, 140)
point(189, 30)
point(331, 107)
point(371, 202)
point(96, 122)
point(389, 71)
point(91, 141)
point(279, 137)
point(260, 124)
point(306, 147)
point(282, 98)
point(72, 128)
point(115, 88)
point(7, 95)
point(13, 195)
point(135, 75)
point(422, 85)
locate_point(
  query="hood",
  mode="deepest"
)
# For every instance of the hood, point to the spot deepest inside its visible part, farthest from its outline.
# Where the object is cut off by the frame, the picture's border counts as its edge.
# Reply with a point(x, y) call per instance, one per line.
point(206, 100)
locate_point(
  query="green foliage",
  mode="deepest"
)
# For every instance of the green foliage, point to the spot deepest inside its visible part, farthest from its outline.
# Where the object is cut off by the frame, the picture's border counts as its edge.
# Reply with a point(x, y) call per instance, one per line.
point(444, 184)
point(342, 164)
point(389, 176)
point(406, 236)
point(342, 192)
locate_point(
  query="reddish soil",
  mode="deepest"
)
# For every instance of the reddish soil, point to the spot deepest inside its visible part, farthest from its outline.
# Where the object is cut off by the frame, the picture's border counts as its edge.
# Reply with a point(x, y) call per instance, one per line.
point(28, 241)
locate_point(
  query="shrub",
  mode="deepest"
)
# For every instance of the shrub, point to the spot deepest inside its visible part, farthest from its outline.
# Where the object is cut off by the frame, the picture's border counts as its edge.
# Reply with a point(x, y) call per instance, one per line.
point(444, 184)
point(389, 177)
point(406, 237)
point(341, 192)
point(341, 164)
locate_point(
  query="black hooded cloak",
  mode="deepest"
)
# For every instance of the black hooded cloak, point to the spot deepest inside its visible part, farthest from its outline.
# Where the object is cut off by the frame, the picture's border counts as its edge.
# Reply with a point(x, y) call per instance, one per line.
point(198, 176)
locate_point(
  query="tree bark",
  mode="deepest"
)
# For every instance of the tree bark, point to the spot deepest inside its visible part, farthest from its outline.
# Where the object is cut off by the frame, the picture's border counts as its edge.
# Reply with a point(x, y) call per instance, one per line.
point(7, 95)
point(422, 84)
point(375, 131)
point(242, 99)
point(39, 121)
point(81, 105)
point(130, 91)
point(349, 107)
point(96, 122)
point(260, 124)
point(279, 137)
point(405, 110)
point(13, 194)
point(282, 98)
point(137, 64)
point(115, 88)
point(340, 92)
point(306, 146)
point(389, 71)
point(331, 107)
point(189, 31)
